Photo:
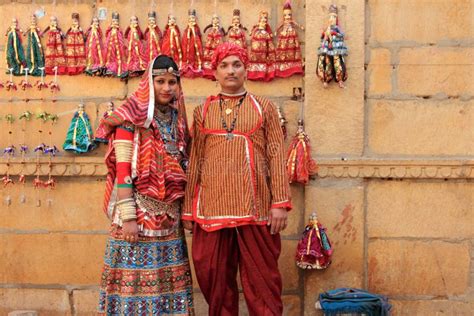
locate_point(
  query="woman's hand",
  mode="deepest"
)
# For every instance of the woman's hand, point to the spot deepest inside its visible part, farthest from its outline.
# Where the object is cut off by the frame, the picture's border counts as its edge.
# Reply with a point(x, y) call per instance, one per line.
point(188, 225)
point(130, 231)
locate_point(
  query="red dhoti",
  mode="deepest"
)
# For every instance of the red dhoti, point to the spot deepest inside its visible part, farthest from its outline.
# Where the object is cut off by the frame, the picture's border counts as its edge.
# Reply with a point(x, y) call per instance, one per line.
point(251, 248)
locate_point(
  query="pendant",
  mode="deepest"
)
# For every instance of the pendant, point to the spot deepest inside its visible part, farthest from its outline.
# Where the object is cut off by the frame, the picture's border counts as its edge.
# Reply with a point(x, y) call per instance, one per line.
point(228, 111)
point(229, 136)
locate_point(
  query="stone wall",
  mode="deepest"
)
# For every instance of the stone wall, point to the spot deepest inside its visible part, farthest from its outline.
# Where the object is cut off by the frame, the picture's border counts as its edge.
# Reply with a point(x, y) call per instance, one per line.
point(395, 150)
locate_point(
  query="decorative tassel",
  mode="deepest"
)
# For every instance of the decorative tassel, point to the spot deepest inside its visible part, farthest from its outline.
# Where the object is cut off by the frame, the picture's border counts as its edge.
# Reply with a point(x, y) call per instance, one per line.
point(24, 84)
point(10, 85)
point(314, 249)
point(299, 165)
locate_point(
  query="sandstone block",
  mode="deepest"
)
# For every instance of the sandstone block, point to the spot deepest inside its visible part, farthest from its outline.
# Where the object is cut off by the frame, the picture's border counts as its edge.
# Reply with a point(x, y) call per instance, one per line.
point(403, 267)
point(81, 211)
point(394, 127)
point(406, 209)
point(380, 72)
point(430, 70)
point(85, 301)
point(30, 302)
point(431, 307)
point(52, 258)
point(385, 17)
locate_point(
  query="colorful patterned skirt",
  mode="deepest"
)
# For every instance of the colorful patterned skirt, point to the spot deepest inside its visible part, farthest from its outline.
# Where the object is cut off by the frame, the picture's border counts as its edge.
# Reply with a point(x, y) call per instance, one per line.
point(150, 277)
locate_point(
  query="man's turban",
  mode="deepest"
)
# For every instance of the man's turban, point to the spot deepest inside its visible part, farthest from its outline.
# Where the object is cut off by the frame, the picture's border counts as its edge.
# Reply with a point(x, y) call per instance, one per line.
point(229, 49)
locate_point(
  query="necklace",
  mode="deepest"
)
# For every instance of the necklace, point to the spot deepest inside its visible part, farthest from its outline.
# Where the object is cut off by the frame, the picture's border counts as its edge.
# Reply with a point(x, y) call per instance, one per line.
point(168, 130)
point(229, 130)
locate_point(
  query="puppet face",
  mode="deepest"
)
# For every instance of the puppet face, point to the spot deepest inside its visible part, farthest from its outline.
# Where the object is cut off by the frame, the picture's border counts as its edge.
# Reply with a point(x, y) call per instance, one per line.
point(53, 21)
point(332, 19)
point(235, 21)
point(134, 21)
point(80, 107)
point(171, 20)
point(95, 22)
point(215, 20)
point(192, 19)
point(287, 15)
point(14, 23)
point(33, 20)
point(75, 22)
point(151, 21)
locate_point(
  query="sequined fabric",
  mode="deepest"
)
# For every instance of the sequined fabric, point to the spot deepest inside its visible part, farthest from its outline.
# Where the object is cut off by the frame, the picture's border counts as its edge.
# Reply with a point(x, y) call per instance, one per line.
point(151, 277)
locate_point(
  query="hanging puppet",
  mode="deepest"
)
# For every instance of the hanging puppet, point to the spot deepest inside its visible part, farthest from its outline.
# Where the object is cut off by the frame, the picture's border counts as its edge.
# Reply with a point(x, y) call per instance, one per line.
point(94, 50)
point(192, 48)
point(34, 50)
point(79, 137)
point(24, 117)
point(172, 41)
point(299, 165)
point(153, 38)
point(115, 56)
point(136, 63)
point(75, 49)
point(14, 50)
point(331, 64)
point(236, 32)
point(314, 248)
point(54, 54)
point(262, 51)
point(288, 51)
point(215, 36)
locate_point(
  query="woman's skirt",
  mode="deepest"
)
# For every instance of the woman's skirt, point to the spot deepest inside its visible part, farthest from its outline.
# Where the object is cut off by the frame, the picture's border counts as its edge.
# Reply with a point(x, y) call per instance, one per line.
point(149, 277)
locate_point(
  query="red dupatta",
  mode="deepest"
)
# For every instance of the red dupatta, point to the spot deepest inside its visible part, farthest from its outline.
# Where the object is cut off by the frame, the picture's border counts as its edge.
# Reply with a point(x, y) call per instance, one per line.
point(138, 109)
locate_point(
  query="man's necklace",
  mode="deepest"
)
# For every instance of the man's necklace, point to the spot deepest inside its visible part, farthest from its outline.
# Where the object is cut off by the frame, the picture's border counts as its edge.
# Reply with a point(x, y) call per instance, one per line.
point(230, 130)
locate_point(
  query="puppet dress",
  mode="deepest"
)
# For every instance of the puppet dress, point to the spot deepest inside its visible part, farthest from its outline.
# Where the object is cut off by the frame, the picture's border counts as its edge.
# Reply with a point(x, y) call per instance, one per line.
point(192, 52)
point(153, 39)
point(115, 65)
point(288, 52)
point(79, 137)
point(331, 56)
point(14, 53)
point(262, 55)
point(54, 54)
point(94, 52)
point(214, 38)
point(75, 51)
point(136, 64)
point(34, 55)
point(172, 44)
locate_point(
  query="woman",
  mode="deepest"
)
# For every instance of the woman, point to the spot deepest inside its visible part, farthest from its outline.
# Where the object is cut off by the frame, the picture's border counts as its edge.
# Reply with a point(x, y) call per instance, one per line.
point(146, 268)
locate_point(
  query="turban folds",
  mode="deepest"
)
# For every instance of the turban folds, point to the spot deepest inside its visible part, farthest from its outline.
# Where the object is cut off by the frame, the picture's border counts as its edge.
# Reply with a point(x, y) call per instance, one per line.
point(229, 49)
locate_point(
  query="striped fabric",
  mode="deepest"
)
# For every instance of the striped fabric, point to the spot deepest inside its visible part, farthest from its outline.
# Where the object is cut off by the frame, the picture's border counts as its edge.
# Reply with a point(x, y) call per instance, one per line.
point(236, 182)
point(158, 175)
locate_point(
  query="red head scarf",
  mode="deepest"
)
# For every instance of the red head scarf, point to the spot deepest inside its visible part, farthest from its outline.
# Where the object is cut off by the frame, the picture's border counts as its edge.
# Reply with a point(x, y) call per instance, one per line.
point(229, 49)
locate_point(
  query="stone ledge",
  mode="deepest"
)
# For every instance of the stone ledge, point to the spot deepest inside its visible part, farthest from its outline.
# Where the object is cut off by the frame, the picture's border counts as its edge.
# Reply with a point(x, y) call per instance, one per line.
point(328, 167)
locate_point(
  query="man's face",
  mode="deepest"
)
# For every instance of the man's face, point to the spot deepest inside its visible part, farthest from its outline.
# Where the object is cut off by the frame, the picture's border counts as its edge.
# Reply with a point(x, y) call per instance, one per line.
point(231, 74)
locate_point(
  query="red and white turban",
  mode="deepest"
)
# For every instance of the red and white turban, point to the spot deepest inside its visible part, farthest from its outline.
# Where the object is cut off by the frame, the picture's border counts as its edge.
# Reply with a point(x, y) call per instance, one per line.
point(229, 49)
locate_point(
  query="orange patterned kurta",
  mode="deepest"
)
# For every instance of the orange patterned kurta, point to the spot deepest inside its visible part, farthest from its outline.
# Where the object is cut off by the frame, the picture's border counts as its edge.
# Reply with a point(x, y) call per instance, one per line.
point(236, 182)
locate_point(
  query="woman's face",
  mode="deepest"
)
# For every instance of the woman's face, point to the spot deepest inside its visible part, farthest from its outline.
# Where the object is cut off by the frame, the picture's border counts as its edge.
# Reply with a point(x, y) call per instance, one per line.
point(166, 88)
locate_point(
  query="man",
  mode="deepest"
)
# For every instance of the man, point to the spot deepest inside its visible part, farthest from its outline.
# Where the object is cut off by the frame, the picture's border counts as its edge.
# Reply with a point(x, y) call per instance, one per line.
point(237, 193)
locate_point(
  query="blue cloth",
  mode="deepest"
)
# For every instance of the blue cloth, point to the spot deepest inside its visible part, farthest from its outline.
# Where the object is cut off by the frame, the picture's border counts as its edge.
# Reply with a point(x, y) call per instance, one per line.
point(350, 300)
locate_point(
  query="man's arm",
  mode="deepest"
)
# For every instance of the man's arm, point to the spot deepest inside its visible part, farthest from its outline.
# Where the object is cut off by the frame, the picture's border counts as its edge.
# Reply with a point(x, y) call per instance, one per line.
point(279, 186)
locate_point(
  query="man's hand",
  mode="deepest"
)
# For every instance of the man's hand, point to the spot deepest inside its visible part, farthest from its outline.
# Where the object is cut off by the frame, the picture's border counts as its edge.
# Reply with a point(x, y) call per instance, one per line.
point(188, 225)
point(130, 231)
point(278, 219)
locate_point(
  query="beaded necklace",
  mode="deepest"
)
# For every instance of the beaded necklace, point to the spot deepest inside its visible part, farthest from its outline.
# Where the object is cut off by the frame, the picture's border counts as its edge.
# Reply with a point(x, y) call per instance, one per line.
point(168, 127)
point(229, 130)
